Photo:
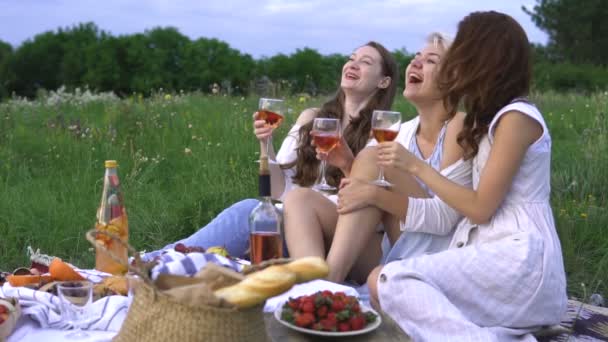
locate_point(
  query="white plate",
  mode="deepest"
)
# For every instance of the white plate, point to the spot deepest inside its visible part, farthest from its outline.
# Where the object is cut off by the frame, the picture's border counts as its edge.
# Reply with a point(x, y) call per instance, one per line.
point(364, 308)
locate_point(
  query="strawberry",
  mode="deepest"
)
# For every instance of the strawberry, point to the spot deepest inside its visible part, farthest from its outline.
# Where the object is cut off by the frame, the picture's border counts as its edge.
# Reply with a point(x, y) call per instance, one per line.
point(328, 324)
point(293, 303)
point(357, 322)
point(344, 326)
point(304, 320)
point(322, 311)
point(308, 307)
point(337, 305)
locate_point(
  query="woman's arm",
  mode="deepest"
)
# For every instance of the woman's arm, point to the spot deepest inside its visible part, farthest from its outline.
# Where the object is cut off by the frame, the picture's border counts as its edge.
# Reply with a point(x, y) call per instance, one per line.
point(514, 134)
point(287, 153)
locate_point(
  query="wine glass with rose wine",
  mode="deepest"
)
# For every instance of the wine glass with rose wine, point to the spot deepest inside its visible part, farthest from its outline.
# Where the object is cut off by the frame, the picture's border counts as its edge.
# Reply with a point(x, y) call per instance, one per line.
point(326, 136)
point(385, 127)
point(271, 111)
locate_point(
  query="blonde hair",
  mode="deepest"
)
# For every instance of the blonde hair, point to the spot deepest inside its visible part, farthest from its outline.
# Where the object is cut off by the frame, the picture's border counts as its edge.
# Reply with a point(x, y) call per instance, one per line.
point(439, 40)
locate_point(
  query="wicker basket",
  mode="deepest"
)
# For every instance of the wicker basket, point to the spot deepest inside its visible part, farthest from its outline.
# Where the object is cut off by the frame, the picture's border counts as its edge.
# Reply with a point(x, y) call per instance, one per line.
point(155, 316)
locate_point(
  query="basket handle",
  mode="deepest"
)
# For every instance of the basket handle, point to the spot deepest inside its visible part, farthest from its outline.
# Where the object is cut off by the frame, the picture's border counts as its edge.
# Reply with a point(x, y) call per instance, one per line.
point(138, 268)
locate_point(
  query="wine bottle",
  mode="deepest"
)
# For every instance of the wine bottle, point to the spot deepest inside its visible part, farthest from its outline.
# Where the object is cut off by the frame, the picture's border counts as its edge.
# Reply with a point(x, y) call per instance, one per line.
point(111, 219)
point(265, 237)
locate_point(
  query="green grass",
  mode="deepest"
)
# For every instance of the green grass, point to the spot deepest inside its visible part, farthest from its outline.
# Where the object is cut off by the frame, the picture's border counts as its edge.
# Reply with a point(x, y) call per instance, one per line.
point(183, 158)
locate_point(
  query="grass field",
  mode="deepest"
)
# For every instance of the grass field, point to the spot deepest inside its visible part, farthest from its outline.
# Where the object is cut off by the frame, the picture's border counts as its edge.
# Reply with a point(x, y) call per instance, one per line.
point(185, 157)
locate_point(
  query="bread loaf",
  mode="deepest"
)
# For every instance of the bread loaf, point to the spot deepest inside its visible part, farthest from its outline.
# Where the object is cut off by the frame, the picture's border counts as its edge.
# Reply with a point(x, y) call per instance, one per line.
point(308, 268)
point(272, 281)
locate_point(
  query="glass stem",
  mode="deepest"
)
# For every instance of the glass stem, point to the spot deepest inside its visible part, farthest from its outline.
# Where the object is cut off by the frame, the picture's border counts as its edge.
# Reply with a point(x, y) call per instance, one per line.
point(381, 175)
point(323, 163)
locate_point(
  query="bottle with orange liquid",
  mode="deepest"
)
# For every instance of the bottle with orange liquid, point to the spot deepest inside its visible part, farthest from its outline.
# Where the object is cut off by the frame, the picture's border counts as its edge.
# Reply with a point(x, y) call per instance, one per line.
point(265, 237)
point(112, 219)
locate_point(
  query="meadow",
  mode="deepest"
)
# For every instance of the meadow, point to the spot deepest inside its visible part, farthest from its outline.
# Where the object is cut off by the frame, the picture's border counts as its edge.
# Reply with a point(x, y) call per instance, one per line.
point(185, 157)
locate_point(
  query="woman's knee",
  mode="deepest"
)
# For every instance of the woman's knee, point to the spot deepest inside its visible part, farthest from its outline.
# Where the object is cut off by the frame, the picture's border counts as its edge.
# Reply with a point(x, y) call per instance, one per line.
point(372, 282)
point(365, 164)
point(297, 196)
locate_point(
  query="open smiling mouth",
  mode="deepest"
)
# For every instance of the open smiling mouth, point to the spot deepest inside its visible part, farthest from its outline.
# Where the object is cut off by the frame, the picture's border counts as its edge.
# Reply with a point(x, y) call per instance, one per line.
point(413, 78)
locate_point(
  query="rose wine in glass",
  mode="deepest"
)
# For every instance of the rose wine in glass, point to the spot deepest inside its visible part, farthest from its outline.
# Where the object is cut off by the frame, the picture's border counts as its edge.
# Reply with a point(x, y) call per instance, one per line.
point(271, 111)
point(326, 135)
point(385, 127)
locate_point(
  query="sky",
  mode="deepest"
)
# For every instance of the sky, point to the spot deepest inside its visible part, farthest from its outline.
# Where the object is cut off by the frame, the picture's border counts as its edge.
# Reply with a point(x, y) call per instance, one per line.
point(263, 27)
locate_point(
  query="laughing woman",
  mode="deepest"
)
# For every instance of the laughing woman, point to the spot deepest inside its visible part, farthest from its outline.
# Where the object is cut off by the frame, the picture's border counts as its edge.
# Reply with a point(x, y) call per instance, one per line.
point(503, 275)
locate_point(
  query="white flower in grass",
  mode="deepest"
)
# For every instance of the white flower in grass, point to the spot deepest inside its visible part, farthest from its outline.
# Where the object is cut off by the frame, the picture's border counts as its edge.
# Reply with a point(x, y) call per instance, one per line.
point(187, 150)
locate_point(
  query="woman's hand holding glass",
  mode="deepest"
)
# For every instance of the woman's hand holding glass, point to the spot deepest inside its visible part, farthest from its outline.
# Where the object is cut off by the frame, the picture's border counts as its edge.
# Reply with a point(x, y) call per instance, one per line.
point(326, 134)
point(385, 127)
point(393, 154)
point(340, 156)
point(268, 117)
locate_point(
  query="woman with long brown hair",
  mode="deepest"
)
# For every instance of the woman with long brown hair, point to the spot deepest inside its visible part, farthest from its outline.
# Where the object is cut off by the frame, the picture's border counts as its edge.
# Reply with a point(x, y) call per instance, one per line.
point(368, 81)
point(503, 275)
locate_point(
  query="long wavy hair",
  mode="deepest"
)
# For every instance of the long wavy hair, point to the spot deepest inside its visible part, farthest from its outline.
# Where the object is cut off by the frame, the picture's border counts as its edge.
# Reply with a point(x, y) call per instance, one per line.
point(487, 66)
point(356, 133)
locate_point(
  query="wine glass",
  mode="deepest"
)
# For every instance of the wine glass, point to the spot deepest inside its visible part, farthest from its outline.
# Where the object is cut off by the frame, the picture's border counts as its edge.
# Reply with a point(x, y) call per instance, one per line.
point(75, 298)
point(385, 127)
point(271, 111)
point(326, 135)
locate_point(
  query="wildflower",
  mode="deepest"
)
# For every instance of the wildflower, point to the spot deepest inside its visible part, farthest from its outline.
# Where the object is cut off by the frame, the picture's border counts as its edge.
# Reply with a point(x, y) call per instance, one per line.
point(218, 144)
point(302, 99)
point(187, 150)
point(189, 125)
point(194, 137)
point(584, 215)
point(168, 97)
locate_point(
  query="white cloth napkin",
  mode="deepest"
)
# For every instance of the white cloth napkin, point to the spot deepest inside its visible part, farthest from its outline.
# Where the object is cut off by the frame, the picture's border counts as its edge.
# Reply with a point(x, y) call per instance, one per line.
point(105, 314)
point(272, 304)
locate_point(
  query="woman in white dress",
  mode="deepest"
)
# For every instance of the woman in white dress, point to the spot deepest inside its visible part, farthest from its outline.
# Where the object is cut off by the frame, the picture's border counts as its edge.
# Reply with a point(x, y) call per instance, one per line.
point(503, 275)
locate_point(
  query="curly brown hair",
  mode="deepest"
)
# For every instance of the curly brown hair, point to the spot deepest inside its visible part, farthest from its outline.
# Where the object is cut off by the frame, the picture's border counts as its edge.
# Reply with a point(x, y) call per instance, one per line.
point(487, 67)
point(356, 133)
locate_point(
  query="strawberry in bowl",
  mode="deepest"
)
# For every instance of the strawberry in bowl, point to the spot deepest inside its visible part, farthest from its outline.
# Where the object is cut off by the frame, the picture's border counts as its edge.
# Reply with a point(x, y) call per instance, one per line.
point(328, 314)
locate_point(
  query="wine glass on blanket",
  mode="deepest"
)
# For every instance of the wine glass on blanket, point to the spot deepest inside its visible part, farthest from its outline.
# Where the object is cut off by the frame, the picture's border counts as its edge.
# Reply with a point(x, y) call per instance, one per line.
point(385, 127)
point(271, 111)
point(326, 135)
point(75, 298)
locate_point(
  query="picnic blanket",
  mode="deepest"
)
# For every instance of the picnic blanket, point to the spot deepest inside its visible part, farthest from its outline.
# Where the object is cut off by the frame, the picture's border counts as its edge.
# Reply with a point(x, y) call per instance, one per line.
point(105, 314)
point(583, 322)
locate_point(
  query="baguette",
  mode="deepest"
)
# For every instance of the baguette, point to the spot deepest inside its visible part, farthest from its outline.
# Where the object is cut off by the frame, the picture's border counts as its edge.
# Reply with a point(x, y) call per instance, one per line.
point(272, 281)
point(308, 268)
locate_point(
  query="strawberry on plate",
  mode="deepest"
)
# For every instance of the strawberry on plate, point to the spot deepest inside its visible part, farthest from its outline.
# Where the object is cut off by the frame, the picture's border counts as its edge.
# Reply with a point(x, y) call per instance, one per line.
point(328, 314)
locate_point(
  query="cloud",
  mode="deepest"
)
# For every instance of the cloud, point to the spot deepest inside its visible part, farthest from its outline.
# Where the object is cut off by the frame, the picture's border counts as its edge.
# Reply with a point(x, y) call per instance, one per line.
point(263, 27)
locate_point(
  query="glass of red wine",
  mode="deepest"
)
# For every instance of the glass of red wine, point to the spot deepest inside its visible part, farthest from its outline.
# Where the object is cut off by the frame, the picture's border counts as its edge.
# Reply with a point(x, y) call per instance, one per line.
point(271, 111)
point(326, 135)
point(385, 127)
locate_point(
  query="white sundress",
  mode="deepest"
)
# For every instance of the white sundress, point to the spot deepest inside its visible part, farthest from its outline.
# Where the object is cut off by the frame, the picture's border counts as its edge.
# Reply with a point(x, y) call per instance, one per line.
point(418, 236)
point(498, 281)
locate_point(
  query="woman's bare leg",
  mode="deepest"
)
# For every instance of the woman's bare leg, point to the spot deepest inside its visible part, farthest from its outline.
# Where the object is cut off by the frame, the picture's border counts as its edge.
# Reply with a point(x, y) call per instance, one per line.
point(372, 285)
point(356, 247)
point(310, 219)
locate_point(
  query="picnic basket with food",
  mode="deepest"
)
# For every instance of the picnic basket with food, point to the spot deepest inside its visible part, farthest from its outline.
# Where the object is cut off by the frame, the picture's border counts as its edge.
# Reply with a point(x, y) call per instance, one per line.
point(217, 304)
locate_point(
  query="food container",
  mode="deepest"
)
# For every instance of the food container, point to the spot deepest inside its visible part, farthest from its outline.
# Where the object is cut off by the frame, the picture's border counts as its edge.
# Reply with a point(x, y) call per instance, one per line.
point(8, 316)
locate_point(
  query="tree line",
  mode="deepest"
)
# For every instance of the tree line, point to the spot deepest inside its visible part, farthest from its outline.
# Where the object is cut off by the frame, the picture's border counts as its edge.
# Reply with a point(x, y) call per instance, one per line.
point(83, 55)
